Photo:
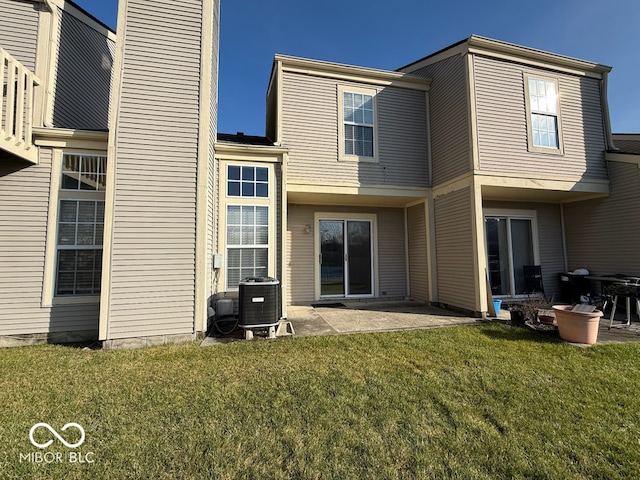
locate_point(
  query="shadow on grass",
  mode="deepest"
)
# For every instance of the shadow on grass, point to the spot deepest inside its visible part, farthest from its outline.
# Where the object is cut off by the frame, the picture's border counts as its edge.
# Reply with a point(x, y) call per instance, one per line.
point(405, 307)
point(85, 345)
point(518, 334)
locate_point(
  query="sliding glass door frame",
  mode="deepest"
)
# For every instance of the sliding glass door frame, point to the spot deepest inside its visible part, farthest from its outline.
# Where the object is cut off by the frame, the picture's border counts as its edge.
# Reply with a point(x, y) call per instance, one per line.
point(345, 218)
point(508, 215)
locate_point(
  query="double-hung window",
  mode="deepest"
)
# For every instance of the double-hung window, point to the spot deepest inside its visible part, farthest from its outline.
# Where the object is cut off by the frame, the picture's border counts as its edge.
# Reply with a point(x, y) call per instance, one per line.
point(80, 225)
point(358, 135)
point(544, 115)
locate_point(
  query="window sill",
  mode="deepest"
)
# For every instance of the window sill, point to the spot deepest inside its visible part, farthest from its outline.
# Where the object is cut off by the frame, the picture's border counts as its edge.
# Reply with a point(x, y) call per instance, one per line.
point(356, 159)
point(546, 150)
point(76, 300)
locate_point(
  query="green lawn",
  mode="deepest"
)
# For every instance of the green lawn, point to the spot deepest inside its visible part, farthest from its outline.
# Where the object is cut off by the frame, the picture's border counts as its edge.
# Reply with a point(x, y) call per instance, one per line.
point(487, 401)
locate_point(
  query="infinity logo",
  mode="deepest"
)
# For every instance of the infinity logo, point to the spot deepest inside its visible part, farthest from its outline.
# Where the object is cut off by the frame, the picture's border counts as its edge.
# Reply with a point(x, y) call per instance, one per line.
point(48, 427)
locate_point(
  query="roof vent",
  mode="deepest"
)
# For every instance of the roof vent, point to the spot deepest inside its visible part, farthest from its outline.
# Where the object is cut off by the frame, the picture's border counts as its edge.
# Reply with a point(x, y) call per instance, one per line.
point(240, 134)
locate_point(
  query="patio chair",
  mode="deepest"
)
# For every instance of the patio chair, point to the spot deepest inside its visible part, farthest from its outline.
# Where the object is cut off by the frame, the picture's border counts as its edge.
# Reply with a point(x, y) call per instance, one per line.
point(533, 279)
point(628, 292)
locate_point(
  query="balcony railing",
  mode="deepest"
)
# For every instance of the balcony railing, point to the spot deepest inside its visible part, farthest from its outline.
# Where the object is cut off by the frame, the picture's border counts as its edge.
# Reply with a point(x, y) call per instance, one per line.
point(16, 108)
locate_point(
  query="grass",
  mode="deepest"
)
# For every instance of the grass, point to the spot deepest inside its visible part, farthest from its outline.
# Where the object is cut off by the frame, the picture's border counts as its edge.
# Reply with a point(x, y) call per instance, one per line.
point(487, 401)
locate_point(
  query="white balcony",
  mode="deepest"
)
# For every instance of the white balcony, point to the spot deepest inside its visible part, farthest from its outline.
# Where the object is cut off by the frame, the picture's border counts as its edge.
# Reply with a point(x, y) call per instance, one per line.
point(16, 108)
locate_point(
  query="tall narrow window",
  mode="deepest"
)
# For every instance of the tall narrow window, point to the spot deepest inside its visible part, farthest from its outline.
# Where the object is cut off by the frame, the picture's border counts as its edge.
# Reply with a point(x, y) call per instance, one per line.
point(544, 124)
point(358, 136)
point(247, 243)
point(80, 225)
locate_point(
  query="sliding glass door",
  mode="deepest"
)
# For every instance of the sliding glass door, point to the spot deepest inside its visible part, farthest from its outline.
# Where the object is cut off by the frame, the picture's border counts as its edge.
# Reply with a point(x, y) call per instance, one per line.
point(510, 246)
point(346, 259)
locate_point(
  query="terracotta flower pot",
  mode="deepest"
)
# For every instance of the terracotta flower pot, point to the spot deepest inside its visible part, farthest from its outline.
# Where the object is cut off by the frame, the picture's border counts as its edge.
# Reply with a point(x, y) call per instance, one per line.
point(577, 327)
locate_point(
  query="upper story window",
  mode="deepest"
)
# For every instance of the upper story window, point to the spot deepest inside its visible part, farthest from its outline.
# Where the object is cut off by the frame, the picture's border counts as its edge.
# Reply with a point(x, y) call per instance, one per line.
point(80, 225)
point(247, 181)
point(358, 133)
point(544, 115)
point(84, 172)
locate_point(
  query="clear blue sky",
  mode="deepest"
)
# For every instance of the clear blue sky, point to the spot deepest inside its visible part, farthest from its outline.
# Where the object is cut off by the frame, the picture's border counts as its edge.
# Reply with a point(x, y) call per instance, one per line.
point(388, 35)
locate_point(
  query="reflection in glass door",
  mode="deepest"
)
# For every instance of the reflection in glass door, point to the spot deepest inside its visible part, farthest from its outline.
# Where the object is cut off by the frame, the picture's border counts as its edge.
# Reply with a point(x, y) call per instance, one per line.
point(345, 258)
point(498, 255)
point(509, 249)
point(331, 258)
point(522, 252)
point(359, 257)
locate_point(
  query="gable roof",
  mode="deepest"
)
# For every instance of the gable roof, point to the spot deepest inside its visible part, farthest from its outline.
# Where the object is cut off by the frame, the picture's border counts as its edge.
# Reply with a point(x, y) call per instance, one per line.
point(340, 71)
point(509, 51)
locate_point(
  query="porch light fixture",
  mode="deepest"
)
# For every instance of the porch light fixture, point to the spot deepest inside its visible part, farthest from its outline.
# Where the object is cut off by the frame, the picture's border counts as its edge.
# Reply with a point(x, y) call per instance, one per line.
point(307, 229)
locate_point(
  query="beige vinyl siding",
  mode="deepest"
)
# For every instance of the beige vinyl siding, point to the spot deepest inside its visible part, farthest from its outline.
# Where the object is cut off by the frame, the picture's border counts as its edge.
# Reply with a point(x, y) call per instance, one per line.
point(215, 48)
point(418, 261)
point(502, 122)
point(392, 260)
point(23, 223)
point(211, 225)
point(83, 75)
point(603, 234)
point(214, 215)
point(310, 129)
point(300, 257)
point(449, 118)
point(152, 284)
point(549, 220)
point(454, 249)
point(19, 30)
point(277, 191)
point(211, 185)
point(272, 114)
point(211, 218)
point(24, 212)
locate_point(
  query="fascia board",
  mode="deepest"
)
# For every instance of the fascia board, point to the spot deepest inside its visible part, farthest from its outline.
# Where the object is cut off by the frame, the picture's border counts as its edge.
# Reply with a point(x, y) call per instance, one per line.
point(352, 73)
point(532, 56)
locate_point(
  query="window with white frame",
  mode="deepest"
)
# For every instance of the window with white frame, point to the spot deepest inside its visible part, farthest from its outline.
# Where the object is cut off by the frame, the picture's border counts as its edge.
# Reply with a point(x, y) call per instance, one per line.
point(80, 225)
point(247, 181)
point(247, 243)
point(544, 124)
point(358, 119)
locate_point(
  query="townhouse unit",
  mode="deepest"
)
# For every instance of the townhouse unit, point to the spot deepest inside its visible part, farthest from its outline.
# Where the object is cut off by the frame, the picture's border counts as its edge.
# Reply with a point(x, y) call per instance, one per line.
point(124, 215)
point(519, 142)
point(456, 179)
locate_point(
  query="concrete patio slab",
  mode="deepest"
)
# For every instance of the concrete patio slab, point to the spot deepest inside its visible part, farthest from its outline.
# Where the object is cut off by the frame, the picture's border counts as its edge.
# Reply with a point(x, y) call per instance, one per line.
point(358, 317)
point(308, 321)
